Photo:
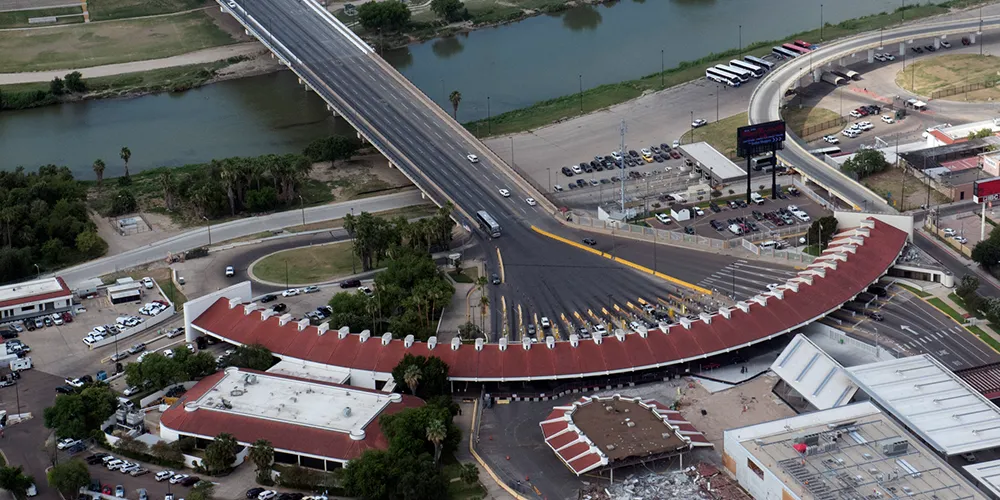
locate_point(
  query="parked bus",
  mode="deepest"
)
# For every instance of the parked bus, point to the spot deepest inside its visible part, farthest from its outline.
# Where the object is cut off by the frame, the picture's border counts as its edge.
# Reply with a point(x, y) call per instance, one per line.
point(832, 150)
point(767, 65)
point(727, 73)
point(742, 74)
point(721, 77)
point(784, 53)
point(754, 70)
point(795, 48)
point(488, 224)
point(804, 44)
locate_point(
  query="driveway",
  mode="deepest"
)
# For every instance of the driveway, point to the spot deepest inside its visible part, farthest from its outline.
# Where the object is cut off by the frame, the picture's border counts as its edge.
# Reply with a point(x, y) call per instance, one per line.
point(23, 444)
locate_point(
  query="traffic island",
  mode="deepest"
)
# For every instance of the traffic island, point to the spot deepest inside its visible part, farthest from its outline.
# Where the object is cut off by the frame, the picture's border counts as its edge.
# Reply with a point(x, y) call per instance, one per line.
point(307, 265)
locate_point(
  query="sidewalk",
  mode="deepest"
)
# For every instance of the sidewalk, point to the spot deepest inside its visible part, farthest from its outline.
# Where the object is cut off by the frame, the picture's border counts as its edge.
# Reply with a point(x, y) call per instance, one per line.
point(941, 292)
point(464, 455)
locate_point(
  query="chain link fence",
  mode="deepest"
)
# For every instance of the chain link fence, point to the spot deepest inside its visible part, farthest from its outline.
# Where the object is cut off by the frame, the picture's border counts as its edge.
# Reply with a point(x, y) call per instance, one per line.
point(968, 87)
point(809, 133)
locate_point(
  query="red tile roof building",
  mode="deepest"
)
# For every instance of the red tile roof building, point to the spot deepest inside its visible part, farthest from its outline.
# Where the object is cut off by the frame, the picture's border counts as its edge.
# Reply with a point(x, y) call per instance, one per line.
point(855, 259)
point(984, 379)
point(33, 298)
point(597, 432)
point(300, 417)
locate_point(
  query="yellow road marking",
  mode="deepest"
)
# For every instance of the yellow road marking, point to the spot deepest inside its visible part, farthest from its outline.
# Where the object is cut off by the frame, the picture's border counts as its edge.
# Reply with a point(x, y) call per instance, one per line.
point(620, 260)
point(503, 304)
point(503, 275)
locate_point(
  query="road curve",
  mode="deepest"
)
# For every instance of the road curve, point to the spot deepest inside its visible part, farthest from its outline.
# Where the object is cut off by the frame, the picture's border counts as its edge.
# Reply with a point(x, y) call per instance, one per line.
point(765, 102)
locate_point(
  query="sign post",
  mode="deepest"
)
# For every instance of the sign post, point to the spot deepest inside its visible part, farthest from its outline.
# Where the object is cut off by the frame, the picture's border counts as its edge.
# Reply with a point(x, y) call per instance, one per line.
point(754, 140)
point(985, 191)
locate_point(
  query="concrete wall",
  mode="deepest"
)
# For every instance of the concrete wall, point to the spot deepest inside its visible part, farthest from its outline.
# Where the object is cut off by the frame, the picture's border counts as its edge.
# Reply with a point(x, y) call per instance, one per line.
point(194, 308)
point(848, 219)
point(769, 487)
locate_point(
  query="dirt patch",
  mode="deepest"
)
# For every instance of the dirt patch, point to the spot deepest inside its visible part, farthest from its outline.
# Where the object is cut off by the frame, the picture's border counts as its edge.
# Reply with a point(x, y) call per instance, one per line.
point(257, 64)
point(160, 227)
point(889, 184)
point(950, 71)
point(358, 176)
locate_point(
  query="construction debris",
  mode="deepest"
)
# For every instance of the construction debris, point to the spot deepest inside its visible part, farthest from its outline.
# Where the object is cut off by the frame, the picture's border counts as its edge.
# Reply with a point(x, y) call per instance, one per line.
point(701, 482)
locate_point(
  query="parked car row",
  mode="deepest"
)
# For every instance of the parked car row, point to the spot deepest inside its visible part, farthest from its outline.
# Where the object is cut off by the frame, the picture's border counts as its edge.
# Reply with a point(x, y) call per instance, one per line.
point(884, 56)
point(262, 494)
point(950, 233)
point(153, 308)
point(39, 322)
point(632, 158)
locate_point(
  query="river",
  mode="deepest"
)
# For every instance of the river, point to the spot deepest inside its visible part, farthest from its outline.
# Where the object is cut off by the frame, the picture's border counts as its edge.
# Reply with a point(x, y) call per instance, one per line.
point(496, 70)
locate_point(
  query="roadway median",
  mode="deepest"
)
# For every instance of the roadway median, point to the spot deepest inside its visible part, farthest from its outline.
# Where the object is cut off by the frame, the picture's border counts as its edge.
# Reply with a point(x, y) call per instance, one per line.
point(633, 265)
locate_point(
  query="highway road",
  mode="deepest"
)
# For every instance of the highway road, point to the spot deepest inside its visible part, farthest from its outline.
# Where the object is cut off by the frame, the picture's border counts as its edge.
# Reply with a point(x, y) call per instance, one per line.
point(541, 277)
point(234, 229)
point(765, 103)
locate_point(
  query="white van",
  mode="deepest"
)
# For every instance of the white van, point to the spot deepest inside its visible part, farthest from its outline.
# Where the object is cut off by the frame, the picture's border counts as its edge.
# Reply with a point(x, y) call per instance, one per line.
point(769, 245)
point(757, 198)
point(735, 229)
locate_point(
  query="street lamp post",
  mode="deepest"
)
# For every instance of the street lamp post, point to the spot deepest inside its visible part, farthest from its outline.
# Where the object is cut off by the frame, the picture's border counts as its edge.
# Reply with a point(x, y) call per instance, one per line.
point(662, 68)
point(512, 151)
point(209, 229)
point(549, 170)
point(692, 126)
point(286, 274)
point(38, 271)
point(353, 268)
point(302, 207)
point(581, 92)
point(717, 88)
point(821, 22)
point(489, 117)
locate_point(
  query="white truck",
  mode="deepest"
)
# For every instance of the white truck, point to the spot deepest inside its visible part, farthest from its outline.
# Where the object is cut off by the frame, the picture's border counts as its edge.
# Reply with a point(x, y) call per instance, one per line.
point(20, 364)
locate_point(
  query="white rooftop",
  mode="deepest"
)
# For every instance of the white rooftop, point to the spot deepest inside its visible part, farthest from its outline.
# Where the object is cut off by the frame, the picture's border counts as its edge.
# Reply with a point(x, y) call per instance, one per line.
point(339, 409)
point(322, 373)
point(987, 474)
point(712, 160)
point(963, 130)
point(933, 402)
point(814, 374)
point(29, 289)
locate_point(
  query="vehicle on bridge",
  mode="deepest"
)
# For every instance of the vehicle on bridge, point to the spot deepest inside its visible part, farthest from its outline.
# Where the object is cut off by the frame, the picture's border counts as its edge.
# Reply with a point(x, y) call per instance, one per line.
point(488, 224)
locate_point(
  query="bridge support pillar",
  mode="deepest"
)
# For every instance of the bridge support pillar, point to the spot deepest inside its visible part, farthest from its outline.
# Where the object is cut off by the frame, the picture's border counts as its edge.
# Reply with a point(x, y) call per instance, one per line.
point(817, 73)
point(331, 110)
point(871, 56)
point(902, 49)
point(247, 32)
point(937, 43)
point(361, 138)
point(972, 37)
point(842, 62)
point(423, 195)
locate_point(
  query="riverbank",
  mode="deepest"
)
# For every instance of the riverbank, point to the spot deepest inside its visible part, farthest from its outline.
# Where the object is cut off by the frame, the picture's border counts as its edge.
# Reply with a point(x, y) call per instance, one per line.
point(564, 108)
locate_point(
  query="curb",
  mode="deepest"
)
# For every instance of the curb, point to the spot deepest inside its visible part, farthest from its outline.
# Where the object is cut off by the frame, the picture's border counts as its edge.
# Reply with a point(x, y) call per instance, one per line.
point(472, 449)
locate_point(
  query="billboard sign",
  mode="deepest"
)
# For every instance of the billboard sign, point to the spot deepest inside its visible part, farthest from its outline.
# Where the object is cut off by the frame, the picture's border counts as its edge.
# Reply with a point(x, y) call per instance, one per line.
point(986, 190)
point(756, 139)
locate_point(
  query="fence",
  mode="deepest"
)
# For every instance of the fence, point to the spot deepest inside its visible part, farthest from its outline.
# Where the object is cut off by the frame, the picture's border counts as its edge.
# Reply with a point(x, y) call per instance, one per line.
point(809, 133)
point(968, 87)
point(842, 338)
point(164, 315)
point(936, 231)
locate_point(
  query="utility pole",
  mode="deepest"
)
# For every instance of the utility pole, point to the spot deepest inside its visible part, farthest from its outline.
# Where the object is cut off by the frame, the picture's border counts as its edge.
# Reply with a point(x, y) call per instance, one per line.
point(621, 152)
point(821, 22)
point(581, 93)
point(489, 118)
point(741, 41)
point(662, 68)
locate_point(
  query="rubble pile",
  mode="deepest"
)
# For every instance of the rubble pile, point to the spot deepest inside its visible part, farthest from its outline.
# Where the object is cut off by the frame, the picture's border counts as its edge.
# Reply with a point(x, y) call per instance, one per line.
point(703, 482)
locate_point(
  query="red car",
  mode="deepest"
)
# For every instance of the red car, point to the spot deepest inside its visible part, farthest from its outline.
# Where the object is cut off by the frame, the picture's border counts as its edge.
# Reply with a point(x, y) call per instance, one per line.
point(674, 154)
point(67, 317)
point(108, 491)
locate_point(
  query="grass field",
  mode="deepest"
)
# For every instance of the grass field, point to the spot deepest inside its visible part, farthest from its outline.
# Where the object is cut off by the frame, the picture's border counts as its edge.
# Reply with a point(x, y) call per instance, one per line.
point(798, 119)
point(102, 10)
point(891, 181)
point(314, 264)
point(568, 106)
point(985, 337)
point(19, 18)
point(721, 134)
point(84, 45)
point(944, 71)
point(458, 489)
point(176, 78)
point(961, 303)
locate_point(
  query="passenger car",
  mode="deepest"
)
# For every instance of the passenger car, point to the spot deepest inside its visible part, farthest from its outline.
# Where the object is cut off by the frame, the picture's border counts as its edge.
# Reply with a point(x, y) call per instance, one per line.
point(472, 158)
point(230, 272)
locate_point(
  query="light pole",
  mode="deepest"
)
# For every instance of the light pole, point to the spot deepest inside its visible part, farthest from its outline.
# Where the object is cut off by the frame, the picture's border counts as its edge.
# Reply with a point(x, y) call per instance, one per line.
point(662, 68)
point(302, 207)
point(717, 88)
point(692, 126)
point(353, 269)
point(38, 271)
point(286, 273)
point(209, 229)
point(821, 22)
point(880, 32)
point(512, 151)
point(581, 92)
point(549, 170)
point(489, 117)
point(902, 11)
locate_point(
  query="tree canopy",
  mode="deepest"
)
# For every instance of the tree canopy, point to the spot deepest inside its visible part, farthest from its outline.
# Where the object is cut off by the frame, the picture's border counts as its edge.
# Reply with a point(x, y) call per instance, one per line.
point(333, 148)
point(407, 430)
point(79, 414)
point(42, 216)
point(253, 356)
point(986, 253)
point(450, 10)
point(221, 453)
point(866, 162)
point(69, 477)
point(14, 480)
point(414, 477)
point(389, 15)
point(824, 228)
point(158, 371)
point(433, 375)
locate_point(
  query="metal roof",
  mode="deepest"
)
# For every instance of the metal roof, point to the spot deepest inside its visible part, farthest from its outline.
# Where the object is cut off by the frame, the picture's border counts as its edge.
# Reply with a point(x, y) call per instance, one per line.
point(711, 159)
point(987, 474)
point(933, 402)
point(814, 374)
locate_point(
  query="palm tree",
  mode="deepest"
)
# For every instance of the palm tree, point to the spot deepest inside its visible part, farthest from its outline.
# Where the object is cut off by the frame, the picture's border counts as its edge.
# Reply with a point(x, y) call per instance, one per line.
point(125, 154)
point(455, 97)
point(99, 170)
point(484, 302)
point(167, 183)
point(262, 455)
point(436, 433)
point(229, 175)
point(412, 378)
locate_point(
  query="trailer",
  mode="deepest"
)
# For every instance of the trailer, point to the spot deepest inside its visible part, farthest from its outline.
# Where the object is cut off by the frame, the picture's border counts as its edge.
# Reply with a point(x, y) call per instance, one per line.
point(831, 78)
point(19, 364)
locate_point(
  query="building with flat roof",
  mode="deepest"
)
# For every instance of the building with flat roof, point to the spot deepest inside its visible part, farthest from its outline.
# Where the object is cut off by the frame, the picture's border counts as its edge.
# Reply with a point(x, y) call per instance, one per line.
point(125, 290)
point(33, 298)
point(310, 423)
point(597, 433)
point(933, 402)
point(722, 169)
point(810, 373)
point(987, 474)
point(848, 452)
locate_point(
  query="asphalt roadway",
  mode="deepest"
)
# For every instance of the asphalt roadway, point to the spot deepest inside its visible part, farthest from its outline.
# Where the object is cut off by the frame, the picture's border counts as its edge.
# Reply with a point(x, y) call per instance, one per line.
point(768, 97)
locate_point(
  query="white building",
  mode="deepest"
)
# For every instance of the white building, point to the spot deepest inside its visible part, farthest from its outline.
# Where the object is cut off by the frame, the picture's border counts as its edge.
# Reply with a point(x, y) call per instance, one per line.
point(32, 298)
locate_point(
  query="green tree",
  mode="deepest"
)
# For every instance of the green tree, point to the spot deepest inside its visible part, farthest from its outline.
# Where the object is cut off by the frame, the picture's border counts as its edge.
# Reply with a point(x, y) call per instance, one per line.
point(470, 473)
point(77, 415)
point(455, 98)
point(128, 444)
point(124, 203)
point(69, 477)
point(202, 490)
point(390, 15)
point(436, 434)
point(825, 228)
point(433, 374)
point(74, 82)
point(414, 477)
point(968, 285)
point(166, 451)
point(412, 378)
point(56, 86)
point(125, 154)
point(253, 356)
point(262, 456)
point(156, 370)
point(262, 200)
point(90, 244)
point(169, 187)
point(986, 253)
point(221, 453)
point(407, 429)
point(99, 170)
point(979, 134)
point(14, 480)
point(450, 10)
point(469, 330)
point(332, 149)
point(866, 162)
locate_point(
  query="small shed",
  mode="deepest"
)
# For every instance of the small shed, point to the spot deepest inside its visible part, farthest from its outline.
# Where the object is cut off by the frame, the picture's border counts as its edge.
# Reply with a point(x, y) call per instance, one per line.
point(125, 290)
point(87, 288)
point(680, 212)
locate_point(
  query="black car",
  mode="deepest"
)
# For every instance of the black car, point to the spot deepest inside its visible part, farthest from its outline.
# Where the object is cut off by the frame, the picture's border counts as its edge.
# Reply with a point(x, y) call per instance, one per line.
point(918, 50)
point(741, 203)
point(659, 158)
point(581, 182)
point(599, 167)
point(590, 241)
point(688, 229)
point(530, 330)
point(633, 153)
point(279, 307)
point(930, 48)
point(876, 316)
point(567, 172)
point(350, 283)
point(64, 389)
point(190, 481)
point(495, 279)
point(715, 208)
point(48, 321)
point(268, 298)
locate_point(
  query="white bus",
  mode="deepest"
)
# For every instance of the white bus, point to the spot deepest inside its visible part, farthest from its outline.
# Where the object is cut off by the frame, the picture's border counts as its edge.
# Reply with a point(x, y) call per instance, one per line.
point(756, 71)
point(722, 77)
point(767, 65)
point(784, 53)
point(742, 73)
point(488, 224)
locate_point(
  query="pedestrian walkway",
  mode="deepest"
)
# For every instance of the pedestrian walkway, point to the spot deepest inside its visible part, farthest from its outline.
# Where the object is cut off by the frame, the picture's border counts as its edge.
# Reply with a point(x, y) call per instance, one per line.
point(943, 293)
point(464, 452)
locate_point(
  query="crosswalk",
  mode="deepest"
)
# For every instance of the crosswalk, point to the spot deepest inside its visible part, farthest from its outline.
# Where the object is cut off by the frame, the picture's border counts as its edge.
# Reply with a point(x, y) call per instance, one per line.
point(745, 279)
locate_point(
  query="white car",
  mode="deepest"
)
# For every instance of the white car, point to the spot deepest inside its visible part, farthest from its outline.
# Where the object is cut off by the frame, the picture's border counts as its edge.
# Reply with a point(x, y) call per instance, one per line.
point(267, 495)
point(698, 211)
point(176, 478)
point(557, 187)
point(646, 152)
point(75, 382)
point(880, 57)
point(530, 201)
point(168, 353)
point(663, 218)
point(131, 391)
point(505, 193)
point(147, 282)
point(291, 292)
point(616, 155)
point(113, 464)
point(800, 215)
point(576, 169)
point(545, 322)
point(64, 443)
point(949, 232)
point(699, 122)
point(855, 114)
point(472, 158)
point(600, 329)
point(230, 272)
point(676, 143)
point(232, 4)
point(961, 239)
point(946, 44)
point(831, 139)
point(163, 475)
point(888, 119)
point(865, 125)
point(888, 56)
point(850, 132)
